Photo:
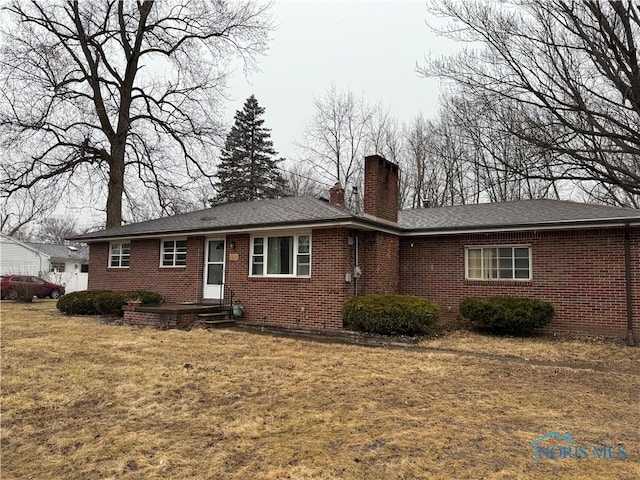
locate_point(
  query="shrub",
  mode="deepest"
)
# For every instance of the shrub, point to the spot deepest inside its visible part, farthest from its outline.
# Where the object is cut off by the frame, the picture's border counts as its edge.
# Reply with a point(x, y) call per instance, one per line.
point(79, 303)
point(390, 314)
point(109, 303)
point(145, 296)
point(507, 314)
point(101, 302)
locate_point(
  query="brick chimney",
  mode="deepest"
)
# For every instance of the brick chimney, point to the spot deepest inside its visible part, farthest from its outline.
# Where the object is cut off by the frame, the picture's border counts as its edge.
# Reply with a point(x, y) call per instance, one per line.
point(380, 188)
point(336, 195)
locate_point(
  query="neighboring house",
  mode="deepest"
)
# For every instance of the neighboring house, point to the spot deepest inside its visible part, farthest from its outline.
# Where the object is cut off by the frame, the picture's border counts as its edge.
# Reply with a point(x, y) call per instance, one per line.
point(63, 264)
point(292, 262)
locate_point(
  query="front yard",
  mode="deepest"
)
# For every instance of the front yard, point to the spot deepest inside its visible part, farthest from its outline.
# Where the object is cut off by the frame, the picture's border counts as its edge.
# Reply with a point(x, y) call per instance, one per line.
point(82, 399)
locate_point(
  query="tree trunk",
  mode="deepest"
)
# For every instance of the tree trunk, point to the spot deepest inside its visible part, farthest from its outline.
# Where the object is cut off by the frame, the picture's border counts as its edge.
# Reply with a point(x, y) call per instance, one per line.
point(115, 188)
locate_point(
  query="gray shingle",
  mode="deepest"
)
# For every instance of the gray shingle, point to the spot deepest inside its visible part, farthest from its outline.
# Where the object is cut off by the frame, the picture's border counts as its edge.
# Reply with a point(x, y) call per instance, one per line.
point(510, 214)
point(304, 210)
point(281, 211)
point(81, 252)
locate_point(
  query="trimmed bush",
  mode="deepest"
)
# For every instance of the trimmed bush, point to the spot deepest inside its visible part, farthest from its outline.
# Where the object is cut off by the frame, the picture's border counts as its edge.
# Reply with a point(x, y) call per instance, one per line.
point(78, 303)
point(390, 314)
point(109, 303)
point(101, 302)
point(145, 296)
point(507, 314)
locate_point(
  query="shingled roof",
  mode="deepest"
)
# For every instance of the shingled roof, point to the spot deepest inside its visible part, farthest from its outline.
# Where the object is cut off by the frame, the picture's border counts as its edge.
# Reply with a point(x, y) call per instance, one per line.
point(76, 252)
point(513, 215)
point(230, 216)
point(298, 211)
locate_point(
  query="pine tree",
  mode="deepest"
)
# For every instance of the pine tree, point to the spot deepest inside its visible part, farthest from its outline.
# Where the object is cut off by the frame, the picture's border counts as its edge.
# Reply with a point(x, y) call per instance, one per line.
point(248, 168)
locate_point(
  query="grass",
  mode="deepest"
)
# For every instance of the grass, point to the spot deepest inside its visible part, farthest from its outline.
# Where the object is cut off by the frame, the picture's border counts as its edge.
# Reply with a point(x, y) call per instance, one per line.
point(82, 399)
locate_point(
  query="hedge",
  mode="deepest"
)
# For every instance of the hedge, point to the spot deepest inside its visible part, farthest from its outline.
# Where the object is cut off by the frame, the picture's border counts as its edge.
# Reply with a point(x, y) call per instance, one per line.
point(507, 314)
point(390, 314)
point(103, 302)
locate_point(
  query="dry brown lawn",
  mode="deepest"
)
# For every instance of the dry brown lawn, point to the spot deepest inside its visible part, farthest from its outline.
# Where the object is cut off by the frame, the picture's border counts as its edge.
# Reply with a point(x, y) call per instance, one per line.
point(85, 400)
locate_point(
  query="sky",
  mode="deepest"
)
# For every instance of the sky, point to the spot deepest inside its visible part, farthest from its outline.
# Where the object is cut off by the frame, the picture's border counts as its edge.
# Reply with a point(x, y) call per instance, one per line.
point(369, 47)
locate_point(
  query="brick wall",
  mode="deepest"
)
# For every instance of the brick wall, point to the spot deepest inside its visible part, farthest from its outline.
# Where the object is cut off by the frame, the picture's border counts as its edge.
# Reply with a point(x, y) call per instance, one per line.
point(159, 320)
point(174, 284)
point(381, 188)
point(309, 303)
point(581, 273)
point(379, 262)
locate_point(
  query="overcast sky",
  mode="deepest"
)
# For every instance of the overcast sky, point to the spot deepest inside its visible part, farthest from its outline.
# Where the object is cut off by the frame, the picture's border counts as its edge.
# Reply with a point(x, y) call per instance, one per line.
point(369, 47)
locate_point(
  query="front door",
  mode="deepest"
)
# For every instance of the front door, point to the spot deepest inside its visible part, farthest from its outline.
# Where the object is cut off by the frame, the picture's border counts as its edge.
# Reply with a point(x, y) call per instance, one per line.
point(214, 270)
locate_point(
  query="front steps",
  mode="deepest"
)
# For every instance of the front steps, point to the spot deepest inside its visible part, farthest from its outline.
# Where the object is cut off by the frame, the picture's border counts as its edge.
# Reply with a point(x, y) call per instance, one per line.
point(220, 319)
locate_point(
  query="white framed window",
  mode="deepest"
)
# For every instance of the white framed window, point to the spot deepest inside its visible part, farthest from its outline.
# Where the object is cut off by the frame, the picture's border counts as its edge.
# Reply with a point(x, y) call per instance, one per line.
point(498, 262)
point(119, 255)
point(281, 255)
point(174, 253)
point(58, 267)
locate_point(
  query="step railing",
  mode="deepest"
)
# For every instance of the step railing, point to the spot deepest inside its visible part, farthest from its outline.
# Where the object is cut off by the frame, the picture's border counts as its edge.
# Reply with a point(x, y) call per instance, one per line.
point(226, 301)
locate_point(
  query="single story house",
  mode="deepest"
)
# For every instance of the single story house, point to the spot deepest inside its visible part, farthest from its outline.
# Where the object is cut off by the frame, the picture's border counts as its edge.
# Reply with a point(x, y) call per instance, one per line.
point(66, 265)
point(292, 262)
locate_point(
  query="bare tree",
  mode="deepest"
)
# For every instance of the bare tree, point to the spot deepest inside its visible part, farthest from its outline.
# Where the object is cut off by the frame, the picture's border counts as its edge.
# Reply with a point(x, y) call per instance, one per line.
point(302, 180)
point(122, 94)
point(336, 138)
point(20, 212)
point(416, 141)
point(56, 230)
point(386, 138)
point(568, 71)
point(504, 166)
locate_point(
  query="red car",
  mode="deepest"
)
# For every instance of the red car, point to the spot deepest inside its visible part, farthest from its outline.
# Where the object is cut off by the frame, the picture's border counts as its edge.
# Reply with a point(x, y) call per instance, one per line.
point(11, 285)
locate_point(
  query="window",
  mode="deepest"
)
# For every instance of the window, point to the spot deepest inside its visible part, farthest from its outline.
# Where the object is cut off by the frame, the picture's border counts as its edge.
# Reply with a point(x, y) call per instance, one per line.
point(84, 268)
point(57, 267)
point(281, 256)
point(120, 255)
point(174, 253)
point(499, 263)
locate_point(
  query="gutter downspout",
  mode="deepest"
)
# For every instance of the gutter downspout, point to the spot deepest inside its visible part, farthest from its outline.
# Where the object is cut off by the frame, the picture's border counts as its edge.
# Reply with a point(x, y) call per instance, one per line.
point(627, 273)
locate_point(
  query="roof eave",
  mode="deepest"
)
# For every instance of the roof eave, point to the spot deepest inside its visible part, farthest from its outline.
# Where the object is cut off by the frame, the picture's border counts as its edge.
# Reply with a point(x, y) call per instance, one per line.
point(560, 225)
point(347, 221)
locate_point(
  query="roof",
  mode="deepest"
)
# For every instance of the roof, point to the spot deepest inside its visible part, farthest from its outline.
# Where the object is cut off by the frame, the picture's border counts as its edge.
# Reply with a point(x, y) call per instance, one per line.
point(298, 211)
point(230, 216)
point(518, 214)
point(79, 252)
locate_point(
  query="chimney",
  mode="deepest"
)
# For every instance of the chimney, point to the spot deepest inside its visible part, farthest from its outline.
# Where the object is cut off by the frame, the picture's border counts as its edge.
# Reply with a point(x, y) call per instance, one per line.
point(336, 195)
point(380, 188)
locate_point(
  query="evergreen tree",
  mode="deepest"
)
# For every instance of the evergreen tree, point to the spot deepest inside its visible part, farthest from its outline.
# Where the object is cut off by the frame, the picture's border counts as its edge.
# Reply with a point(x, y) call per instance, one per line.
point(248, 168)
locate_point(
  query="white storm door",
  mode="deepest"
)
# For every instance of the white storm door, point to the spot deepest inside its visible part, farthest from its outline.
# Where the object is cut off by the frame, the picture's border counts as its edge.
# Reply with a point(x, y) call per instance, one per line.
point(214, 270)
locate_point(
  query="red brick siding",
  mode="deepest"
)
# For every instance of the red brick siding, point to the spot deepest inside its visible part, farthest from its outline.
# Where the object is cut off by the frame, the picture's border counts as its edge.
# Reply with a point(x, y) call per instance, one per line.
point(381, 188)
point(379, 262)
point(310, 303)
point(160, 320)
point(581, 273)
point(174, 284)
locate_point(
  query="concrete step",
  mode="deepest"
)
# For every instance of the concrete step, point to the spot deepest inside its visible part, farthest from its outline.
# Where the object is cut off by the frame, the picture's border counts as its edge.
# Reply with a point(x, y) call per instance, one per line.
point(216, 319)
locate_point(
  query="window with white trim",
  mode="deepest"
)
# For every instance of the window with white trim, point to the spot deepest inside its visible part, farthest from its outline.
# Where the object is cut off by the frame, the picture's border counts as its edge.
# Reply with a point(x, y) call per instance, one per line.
point(286, 255)
point(58, 267)
point(501, 262)
point(119, 255)
point(174, 253)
